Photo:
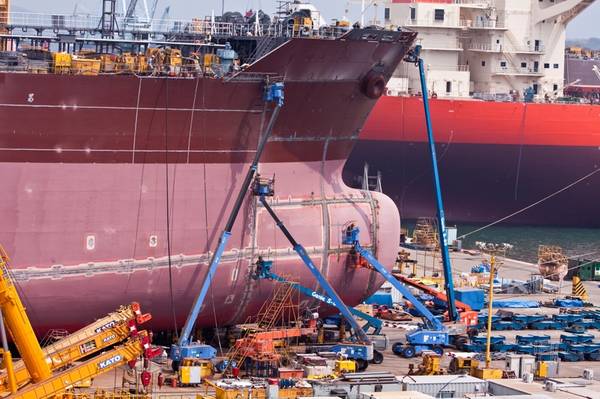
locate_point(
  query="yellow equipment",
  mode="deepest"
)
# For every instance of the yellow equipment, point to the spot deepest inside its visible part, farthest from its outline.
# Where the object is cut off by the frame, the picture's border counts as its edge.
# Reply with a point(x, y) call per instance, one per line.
point(3, 20)
point(194, 371)
point(107, 331)
point(345, 366)
point(17, 322)
point(431, 365)
point(62, 62)
point(85, 66)
point(579, 289)
point(462, 364)
point(35, 370)
point(107, 361)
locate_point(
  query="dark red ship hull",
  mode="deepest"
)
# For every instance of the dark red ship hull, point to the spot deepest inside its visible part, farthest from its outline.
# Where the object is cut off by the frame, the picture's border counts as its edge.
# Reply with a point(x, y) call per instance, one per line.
point(495, 159)
point(92, 165)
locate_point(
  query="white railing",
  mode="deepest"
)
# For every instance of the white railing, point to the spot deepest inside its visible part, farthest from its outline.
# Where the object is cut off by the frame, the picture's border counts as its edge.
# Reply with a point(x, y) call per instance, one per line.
point(453, 68)
point(447, 23)
point(481, 24)
point(516, 71)
point(484, 47)
point(80, 23)
point(483, 3)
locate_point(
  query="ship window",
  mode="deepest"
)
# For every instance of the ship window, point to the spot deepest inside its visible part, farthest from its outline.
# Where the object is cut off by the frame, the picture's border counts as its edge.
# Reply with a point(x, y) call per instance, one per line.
point(555, 87)
point(547, 66)
point(413, 13)
point(555, 66)
point(386, 13)
point(483, 63)
point(503, 64)
point(523, 65)
point(439, 14)
point(448, 87)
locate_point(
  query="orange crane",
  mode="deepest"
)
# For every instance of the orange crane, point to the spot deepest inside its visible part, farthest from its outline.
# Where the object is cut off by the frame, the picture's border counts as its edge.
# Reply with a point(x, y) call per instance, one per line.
point(467, 315)
point(263, 344)
point(37, 366)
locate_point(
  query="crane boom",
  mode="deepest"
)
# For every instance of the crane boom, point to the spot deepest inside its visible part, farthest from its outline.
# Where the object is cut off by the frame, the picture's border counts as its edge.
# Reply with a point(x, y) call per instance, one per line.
point(18, 324)
point(135, 347)
point(263, 271)
point(114, 328)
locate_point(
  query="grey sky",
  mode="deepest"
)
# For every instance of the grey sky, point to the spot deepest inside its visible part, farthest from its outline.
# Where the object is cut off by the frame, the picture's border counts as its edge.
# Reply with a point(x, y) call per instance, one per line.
point(585, 25)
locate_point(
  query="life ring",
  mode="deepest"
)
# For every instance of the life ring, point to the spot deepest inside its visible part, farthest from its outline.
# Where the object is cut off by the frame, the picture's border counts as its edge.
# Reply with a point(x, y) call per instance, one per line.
point(373, 85)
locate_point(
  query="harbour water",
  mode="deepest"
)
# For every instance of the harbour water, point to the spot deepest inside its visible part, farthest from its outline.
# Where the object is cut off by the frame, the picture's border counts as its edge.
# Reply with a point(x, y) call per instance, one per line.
point(526, 239)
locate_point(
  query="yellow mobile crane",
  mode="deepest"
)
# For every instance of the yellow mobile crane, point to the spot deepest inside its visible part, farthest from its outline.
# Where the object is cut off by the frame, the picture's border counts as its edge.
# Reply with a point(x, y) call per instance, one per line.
point(38, 364)
point(103, 333)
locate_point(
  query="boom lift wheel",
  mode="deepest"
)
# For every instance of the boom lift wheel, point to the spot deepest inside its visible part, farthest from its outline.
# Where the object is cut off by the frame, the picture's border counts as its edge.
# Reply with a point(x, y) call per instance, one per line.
point(409, 352)
point(377, 357)
point(361, 364)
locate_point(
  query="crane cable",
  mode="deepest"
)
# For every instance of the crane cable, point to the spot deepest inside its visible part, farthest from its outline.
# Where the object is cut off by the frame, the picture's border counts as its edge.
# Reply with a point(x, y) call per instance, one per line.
point(168, 208)
point(554, 194)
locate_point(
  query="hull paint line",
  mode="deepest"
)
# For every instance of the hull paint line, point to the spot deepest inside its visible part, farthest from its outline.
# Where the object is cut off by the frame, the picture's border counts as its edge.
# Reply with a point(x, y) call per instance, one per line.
point(104, 108)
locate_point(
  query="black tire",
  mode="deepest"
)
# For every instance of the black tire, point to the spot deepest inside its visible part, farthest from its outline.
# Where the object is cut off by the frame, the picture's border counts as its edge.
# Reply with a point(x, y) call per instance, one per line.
point(438, 350)
point(361, 364)
point(397, 348)
point(175, 365)
point(409, 352)
point(377, 357)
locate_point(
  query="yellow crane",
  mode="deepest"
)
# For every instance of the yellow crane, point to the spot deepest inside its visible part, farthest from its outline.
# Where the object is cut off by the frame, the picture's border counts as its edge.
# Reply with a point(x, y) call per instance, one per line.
point(103, 333)
point(33, 377)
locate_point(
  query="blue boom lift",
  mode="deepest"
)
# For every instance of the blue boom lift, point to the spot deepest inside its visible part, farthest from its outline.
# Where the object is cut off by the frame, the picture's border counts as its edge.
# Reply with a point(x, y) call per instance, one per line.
point(185, 348)
point(362, 351)
point(264, 271)
point(434, 335)
point(414, 56)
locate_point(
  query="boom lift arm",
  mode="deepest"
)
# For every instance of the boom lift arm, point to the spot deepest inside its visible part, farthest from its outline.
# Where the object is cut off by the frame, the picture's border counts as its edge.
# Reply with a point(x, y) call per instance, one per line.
point(184, 347)
point(262, 189)
point(434, 336)
point(414, 56)
point(264, 271)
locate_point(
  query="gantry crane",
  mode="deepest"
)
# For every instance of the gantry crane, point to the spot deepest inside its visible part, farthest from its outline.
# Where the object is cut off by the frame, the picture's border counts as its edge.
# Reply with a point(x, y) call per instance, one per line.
point(33, 378)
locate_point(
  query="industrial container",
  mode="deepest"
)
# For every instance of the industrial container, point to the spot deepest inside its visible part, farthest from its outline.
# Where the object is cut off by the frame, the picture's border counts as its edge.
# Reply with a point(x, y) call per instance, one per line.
point(586, 269)
point(445, 386)
point(394, 395)
point(474, 297)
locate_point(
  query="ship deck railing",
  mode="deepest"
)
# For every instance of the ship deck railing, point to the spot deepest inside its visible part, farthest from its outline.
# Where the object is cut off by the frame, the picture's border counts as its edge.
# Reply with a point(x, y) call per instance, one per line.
point(18, 23)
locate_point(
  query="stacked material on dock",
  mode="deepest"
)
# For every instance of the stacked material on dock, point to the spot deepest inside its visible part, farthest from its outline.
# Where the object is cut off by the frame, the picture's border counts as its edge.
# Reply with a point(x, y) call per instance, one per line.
point(552, 262)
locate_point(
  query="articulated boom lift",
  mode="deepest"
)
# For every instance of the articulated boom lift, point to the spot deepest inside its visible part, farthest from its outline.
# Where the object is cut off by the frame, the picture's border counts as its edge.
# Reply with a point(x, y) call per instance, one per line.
point(185, 348)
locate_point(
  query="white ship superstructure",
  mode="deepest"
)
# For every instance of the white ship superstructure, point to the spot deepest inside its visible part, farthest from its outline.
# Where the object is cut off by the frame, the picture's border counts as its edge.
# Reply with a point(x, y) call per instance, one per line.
point(486, 48)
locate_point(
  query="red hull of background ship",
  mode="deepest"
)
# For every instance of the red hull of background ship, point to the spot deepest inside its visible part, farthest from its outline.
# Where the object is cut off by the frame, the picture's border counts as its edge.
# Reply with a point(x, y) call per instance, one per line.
point(495, 159)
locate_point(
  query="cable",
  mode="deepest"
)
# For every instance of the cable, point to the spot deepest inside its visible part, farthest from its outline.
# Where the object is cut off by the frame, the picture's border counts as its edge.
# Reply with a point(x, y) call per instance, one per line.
point(168, 208)
point(534, 204)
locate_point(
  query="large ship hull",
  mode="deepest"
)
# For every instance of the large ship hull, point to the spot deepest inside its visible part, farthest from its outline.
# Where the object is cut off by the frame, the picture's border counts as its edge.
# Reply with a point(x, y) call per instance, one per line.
point(536, 161)
point(116, 187)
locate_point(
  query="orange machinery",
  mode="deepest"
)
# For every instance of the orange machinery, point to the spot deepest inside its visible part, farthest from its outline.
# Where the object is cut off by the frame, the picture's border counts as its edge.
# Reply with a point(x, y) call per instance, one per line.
point(468, 316)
